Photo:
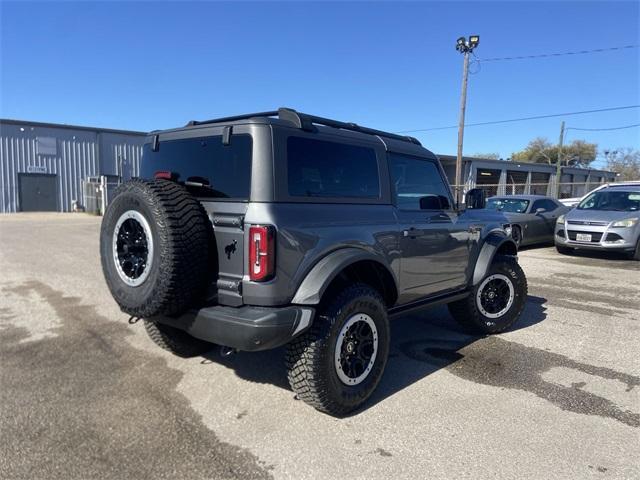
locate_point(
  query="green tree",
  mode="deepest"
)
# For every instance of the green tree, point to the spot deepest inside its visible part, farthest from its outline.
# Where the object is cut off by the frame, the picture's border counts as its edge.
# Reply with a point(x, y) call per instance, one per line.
point(540, 150)
point(625, 161)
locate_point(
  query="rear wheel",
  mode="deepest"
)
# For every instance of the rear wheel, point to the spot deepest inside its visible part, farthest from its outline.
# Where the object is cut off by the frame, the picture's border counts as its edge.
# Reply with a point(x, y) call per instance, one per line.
point(564, 250)
point(497, 302)
point(176, 341)
point(338, 363)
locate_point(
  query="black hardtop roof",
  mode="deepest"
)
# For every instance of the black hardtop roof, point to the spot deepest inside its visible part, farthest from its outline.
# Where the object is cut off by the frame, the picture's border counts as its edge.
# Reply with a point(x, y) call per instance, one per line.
point(290, 118)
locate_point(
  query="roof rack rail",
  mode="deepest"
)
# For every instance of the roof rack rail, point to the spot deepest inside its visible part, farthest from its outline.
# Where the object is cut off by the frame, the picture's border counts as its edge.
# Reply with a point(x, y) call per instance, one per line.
point(233, 118)
point(306, 122)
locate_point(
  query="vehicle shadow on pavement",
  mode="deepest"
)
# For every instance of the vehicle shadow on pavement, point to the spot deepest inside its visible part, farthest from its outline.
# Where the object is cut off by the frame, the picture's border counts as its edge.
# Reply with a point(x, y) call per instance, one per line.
point(421, 344)
point(431, 340)
point(601, 255)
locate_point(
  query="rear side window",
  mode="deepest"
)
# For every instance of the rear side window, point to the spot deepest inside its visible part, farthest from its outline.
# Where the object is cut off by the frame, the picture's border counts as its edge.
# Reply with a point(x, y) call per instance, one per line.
point(317, 168)
point(548, 205)
point(415, 179)
point(214, 169)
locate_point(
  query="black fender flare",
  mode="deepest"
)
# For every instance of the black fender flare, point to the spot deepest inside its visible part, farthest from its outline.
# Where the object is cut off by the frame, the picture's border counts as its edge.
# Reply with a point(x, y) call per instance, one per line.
point(315, 283)
point(495, 241)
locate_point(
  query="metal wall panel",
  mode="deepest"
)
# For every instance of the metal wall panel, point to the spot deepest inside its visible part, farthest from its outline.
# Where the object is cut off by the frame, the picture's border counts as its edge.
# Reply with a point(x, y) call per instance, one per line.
point(79, 153)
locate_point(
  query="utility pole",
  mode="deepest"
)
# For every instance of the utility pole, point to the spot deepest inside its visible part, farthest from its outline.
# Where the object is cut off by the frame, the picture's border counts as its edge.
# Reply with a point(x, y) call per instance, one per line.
point(559, 162)
point(465, 47)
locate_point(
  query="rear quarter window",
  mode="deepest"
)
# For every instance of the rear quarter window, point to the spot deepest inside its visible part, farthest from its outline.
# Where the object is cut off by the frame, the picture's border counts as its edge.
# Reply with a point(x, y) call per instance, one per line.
point(319, 168)
point(221, 171)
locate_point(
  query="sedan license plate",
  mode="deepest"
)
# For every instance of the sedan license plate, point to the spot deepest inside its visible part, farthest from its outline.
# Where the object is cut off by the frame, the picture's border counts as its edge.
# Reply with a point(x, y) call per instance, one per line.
point(583, 237)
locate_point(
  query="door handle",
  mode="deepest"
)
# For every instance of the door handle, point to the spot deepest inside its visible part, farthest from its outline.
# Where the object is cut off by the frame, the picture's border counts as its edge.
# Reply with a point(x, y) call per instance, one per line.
point(411, 232)
point(440, 218)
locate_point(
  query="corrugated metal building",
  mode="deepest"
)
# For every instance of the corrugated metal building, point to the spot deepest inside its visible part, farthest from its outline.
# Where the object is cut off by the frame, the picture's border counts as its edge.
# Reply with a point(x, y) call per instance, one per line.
point(499, 177)
point(43, 165)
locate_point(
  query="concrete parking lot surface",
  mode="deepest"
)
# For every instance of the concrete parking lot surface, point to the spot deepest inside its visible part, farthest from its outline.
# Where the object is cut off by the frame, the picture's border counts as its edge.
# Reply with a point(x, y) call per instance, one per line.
point(83, 394)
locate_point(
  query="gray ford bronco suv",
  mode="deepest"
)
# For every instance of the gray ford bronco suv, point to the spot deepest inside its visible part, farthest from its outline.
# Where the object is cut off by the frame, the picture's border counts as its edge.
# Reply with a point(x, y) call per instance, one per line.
point(281, 228)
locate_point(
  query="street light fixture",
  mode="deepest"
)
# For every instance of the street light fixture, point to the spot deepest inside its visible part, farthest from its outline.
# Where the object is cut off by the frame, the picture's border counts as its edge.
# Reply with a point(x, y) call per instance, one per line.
point(465, 47)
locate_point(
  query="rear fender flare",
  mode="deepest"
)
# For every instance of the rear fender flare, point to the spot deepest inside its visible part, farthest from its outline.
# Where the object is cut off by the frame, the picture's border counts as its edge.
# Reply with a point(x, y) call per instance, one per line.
point(322, 274)
point(495, 241)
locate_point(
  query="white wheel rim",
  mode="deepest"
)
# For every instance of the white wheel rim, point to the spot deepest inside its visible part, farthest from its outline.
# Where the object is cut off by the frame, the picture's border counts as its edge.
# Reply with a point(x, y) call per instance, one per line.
point(347, 346)
point(132, 280)
point(482, 290)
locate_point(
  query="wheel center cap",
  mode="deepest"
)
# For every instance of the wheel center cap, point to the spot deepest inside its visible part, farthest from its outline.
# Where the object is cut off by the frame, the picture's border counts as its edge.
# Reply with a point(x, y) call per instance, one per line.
point(350, 347)
point(491, 294)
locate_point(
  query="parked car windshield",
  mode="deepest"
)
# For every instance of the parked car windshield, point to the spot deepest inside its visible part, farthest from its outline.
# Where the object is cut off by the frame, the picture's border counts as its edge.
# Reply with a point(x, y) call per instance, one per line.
point(615, 200)
point(511, 205)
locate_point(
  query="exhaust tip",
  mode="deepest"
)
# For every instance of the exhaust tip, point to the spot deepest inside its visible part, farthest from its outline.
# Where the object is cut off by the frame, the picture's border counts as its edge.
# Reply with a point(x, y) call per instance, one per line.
point(227, 351)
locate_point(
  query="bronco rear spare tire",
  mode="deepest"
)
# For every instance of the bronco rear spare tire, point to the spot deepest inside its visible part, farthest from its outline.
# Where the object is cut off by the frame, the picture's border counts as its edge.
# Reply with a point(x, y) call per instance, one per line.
point(155, 248)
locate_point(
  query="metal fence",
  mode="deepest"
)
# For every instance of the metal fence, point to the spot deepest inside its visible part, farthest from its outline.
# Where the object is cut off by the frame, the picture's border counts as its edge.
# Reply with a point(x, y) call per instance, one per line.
point(97, 191)
point(567, 189)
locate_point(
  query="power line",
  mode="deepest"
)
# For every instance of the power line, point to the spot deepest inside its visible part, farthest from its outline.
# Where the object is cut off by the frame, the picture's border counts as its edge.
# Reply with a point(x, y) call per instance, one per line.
point(522, 119)
point(560, 54)
point(604, 129)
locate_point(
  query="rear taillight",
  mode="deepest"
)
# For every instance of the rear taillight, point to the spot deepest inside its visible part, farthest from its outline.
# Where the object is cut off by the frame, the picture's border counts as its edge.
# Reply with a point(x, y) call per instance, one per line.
point(166, 175)
point(261, 253)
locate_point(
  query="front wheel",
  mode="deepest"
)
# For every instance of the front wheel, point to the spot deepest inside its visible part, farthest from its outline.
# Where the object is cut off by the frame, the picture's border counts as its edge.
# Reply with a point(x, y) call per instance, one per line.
point(338, 363)
point(497, 302)
point(564, 250)
point(635, 254)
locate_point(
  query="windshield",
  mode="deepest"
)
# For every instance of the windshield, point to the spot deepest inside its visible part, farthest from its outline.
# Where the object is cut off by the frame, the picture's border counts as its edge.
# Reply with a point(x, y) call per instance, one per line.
point(512, 205)
point(611, 200)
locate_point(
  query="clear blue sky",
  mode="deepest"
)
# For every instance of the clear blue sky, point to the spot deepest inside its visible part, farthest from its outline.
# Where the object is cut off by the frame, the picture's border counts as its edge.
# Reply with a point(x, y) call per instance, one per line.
point(393, 66)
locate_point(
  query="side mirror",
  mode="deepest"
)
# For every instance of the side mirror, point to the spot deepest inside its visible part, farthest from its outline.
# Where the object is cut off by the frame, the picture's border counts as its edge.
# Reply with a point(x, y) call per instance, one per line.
point(430, 202)
point(540, 210)
point(475, 198)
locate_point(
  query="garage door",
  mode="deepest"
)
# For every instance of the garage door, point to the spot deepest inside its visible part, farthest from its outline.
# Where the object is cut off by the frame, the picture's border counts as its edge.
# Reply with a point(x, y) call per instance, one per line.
point(38, 192)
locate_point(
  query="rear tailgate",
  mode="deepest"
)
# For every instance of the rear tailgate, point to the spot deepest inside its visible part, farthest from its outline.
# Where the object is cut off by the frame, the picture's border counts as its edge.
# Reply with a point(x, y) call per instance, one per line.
point(228, 226)
point(218, 173)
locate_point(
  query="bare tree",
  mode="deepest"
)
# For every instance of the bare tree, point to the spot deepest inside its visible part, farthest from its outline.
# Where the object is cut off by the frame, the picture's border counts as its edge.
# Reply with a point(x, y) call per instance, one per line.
point(625, 161)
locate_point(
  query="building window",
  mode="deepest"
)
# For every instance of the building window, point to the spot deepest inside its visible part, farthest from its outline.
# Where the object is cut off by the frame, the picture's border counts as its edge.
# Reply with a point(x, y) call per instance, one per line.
point(539, 183)
point(488, 179)
point(46, 146)
point(516, 182)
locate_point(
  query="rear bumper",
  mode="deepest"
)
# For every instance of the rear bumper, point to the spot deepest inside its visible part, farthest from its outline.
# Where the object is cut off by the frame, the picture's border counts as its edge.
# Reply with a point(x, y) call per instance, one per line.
point(244, 328)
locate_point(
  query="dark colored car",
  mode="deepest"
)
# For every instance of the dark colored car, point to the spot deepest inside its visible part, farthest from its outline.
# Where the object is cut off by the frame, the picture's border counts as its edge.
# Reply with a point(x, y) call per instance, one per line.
point(532, 217)
point(282, 228)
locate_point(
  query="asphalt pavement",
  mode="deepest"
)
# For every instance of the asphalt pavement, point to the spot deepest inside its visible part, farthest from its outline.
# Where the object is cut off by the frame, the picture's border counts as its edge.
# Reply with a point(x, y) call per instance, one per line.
point(84, 394)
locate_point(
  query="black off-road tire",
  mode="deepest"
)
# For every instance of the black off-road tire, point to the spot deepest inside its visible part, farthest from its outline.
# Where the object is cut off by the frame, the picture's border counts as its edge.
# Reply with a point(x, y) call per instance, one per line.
point(635, 255)
point(176, 341)
point(182, 258)
point(468, 314)
point(310, 358)
point(564, 250)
